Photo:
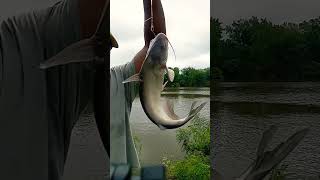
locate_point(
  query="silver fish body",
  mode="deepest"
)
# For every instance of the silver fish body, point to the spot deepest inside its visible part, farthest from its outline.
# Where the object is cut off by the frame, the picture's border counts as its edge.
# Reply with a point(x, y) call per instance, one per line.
point(151, 78)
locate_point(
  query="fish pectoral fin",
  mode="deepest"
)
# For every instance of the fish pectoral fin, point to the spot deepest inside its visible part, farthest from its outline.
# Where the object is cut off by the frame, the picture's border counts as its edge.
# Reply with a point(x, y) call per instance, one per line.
point(170, 74)
point(133, 78)
point(164, 85)
point(168, 107)
point(81, 51)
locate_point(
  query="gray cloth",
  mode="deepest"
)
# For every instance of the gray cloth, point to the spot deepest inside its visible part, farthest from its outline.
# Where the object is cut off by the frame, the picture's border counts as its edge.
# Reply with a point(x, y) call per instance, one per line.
point(121, 98)
point(39, 108)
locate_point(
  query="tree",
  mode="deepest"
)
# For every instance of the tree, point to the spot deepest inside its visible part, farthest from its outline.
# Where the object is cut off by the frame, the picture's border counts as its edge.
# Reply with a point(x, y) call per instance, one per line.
point(257, 50)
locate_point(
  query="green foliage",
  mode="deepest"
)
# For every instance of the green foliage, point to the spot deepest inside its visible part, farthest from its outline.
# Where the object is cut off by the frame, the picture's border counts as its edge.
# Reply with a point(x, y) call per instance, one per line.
point(195, 140)
point(190, 77)
point(191, 168)
point(258, 50)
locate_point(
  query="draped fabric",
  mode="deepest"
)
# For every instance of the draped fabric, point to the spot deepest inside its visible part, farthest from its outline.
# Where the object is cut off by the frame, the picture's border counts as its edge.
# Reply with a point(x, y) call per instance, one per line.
point(38, 108)
point(122, 149)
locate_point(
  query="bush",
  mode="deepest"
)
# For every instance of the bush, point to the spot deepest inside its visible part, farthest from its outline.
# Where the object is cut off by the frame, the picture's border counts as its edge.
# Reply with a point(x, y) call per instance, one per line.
point(192, 167)
point(195, 138)
point(195, 141)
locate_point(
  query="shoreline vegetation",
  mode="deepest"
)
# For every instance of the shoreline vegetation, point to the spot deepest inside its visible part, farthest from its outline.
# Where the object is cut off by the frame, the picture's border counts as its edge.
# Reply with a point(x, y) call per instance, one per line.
point(255, 49)
point(189, 77)
point(195, 141)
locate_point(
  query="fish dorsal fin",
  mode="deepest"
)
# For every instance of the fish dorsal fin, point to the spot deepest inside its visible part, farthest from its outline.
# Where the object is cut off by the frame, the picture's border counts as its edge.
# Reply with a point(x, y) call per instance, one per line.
point(81, 51)
point(168, 107)
point(170, 74)
point(134, 78)
point(164, 85)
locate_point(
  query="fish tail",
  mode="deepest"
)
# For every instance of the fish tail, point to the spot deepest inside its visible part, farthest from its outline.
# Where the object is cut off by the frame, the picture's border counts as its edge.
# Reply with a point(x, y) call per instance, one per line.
point(195, 111)
point(268, 160)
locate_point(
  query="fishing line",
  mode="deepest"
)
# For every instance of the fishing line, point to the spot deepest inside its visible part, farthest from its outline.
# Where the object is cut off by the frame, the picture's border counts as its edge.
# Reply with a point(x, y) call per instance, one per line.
point(152, 27)
point(151, 18)
point(152, 30)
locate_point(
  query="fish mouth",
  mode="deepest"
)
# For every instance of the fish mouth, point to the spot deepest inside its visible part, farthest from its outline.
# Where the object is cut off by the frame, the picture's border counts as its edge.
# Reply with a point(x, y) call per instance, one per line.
point(162, 40)
point(158, 50)
point(161, 36)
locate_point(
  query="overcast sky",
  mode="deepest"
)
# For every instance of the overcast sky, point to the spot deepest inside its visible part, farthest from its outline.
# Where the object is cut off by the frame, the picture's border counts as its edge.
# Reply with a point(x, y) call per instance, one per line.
point(187, 24)
point(188, 29)
point(277, 11)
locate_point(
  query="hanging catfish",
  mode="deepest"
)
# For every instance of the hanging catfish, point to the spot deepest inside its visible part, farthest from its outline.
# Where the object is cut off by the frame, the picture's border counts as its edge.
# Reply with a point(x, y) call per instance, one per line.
point(151, 78)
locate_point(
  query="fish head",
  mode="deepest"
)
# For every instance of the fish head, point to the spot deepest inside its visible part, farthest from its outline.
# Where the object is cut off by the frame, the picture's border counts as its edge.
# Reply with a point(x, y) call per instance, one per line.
point(157, 53)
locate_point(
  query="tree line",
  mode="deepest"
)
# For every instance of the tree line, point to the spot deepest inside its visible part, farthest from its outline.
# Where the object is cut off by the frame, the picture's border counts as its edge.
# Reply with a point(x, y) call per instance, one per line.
point(190, 77)
point(256, 49)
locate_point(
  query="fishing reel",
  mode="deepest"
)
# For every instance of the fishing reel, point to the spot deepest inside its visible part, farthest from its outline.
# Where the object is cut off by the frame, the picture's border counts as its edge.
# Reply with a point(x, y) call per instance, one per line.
point(125, 172)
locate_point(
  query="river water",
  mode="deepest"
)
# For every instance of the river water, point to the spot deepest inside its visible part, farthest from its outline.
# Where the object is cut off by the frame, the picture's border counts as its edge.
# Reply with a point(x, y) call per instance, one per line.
point(87, 159)
point(242, 111)
point(157, 143)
